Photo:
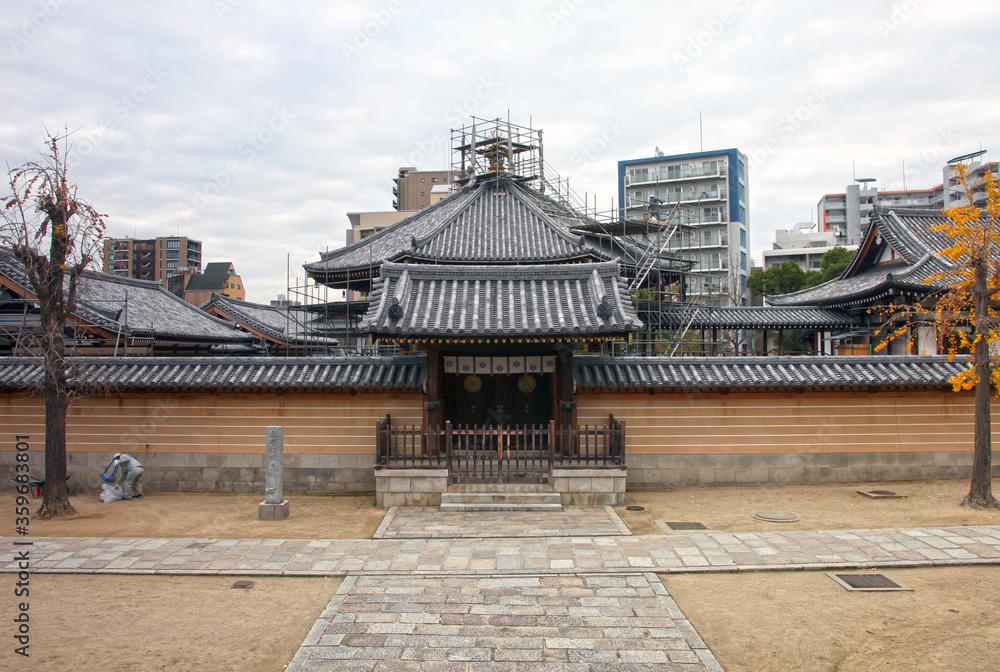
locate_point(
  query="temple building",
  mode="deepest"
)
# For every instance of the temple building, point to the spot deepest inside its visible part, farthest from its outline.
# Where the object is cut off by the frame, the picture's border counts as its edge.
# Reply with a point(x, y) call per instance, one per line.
point(511, 338)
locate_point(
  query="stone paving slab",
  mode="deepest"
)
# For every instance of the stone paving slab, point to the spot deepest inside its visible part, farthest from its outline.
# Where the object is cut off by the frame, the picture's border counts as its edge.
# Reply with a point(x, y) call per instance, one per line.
point(432, 523)
point(531, 622)
point(688, 553)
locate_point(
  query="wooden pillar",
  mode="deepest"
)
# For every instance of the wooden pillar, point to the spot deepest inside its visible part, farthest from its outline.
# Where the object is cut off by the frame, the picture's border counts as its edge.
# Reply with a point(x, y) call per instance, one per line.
point(567, 404)
point(434, 415)
point(781, 342)
point(715, 341)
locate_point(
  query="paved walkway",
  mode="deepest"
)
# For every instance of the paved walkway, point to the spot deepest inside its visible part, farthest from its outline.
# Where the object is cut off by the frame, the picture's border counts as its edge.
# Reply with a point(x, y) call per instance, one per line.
point(424, 523)
point(551, 622)
point(686, 553)
point(471, 596)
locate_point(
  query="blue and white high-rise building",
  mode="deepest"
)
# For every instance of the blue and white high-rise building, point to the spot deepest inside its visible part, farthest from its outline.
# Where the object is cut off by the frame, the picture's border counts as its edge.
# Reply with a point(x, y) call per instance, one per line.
point(700, 200)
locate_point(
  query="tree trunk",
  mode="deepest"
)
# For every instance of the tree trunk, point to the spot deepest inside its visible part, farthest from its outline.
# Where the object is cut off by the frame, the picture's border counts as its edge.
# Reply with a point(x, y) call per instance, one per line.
point(55, 389)
point(55, 495)
point(980, 490)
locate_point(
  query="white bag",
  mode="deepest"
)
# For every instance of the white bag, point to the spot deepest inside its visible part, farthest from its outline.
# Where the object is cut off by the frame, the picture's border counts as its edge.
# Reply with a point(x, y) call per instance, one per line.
point(111, 493)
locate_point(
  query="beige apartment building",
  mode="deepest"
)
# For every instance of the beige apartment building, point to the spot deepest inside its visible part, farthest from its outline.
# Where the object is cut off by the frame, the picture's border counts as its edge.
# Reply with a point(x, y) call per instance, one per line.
point(151, 259)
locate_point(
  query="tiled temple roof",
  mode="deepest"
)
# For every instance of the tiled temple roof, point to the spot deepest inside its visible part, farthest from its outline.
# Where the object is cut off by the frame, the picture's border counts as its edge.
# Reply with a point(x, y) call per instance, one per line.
point(139, 308)
point(558, 302)
point(224, 373)
point(750, 373)
point(409, 371)
point(909, 233)
point(274, 322)
point(708, 317)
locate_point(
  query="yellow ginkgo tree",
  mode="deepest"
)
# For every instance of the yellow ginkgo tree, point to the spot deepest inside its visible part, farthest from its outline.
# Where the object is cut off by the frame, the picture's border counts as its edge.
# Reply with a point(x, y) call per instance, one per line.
point(964, 312)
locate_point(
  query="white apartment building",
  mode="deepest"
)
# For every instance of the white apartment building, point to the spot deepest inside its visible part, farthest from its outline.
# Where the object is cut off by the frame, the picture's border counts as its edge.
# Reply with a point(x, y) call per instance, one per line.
point(847, 215)
point(802, 245)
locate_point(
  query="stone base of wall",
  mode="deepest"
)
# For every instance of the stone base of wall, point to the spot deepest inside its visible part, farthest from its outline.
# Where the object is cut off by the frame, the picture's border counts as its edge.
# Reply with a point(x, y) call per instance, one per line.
point(590, 487)
point(654, 471)
point(410, 487)
point(219, 472)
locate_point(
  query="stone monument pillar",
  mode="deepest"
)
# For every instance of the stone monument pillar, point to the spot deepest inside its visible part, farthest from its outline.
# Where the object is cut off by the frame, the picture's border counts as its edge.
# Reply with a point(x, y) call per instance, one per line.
point(274, 507)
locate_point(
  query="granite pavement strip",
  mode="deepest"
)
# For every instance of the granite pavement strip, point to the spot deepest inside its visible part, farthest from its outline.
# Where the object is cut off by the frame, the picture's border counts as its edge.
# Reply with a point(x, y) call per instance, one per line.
point(481, 602)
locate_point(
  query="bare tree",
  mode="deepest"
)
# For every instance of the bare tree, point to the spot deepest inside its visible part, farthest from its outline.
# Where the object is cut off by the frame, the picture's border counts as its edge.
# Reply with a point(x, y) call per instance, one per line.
point(55, 235)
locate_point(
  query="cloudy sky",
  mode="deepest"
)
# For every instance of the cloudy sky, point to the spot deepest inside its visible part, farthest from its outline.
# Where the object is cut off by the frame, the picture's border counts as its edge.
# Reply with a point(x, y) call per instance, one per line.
point(255, 126)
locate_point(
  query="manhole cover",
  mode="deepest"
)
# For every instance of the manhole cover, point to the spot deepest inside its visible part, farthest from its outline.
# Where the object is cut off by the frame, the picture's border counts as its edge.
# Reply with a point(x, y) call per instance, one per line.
point(867, 582)
point(776, 517)
point(635, 507)
point(686, 526)
point(881, 494)
point(243, 584)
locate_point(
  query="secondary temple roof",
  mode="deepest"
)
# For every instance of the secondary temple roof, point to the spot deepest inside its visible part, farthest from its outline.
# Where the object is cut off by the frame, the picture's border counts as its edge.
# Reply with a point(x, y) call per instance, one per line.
point(231, 373)
point(409, 371)
point(755, 317)
point(274, 323)
point(136, 308)
point(565, 301)
point(900, 252)
point(752, 373)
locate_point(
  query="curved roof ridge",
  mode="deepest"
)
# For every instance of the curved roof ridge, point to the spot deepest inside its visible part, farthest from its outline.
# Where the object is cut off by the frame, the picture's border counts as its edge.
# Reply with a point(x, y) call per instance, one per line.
point(445, 222)
point(392, 230)
point(520, 194)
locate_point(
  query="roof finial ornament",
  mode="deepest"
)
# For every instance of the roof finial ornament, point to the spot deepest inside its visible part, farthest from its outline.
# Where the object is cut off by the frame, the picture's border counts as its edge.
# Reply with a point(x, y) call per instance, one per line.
point(604, 309)
point(395, 310)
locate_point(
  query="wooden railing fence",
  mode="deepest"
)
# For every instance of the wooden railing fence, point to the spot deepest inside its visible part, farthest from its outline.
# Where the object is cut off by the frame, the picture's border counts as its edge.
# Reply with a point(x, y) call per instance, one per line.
point(479, 453)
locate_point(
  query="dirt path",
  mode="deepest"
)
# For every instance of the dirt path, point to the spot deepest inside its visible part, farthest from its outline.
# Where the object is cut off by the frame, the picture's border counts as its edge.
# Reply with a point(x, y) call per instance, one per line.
point(222, 516)
point(157, 623)
point(780, 621)
point(820, 507)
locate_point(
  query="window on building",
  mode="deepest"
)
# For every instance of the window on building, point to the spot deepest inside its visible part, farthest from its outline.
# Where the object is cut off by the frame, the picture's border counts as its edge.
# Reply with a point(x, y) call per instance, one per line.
point(739, 169)
point(743, 260)
point(421, 193)
point(743, 238)
point(742, 214)
point(421, 179)
point(434, 179)
point(173, 244)
point(173, 254)
point(675, 172)
point(171, 264)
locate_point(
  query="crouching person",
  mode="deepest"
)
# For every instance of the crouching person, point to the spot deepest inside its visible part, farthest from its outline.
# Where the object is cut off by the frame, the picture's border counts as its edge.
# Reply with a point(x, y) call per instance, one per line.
point(131, 471)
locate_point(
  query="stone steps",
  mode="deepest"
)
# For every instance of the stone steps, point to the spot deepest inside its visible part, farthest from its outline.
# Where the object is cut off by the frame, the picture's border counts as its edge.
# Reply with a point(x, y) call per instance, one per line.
point(501, 497)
